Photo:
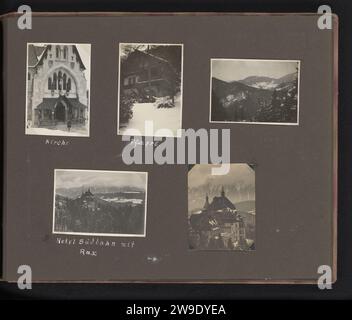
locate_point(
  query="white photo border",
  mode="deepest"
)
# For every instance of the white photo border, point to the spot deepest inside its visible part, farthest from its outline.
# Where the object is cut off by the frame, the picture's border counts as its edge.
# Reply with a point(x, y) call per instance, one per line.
point(258, 122)
point(178, 135)
point(96, 233)
point(89, 94)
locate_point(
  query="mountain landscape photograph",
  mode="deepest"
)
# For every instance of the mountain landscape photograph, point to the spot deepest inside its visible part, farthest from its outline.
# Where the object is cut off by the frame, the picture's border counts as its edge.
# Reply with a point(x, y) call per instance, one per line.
point(101, 203)
point(255, 91)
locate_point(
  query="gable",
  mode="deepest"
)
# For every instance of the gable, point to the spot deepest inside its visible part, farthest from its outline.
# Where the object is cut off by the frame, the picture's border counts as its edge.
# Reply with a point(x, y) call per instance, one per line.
point(34, 54)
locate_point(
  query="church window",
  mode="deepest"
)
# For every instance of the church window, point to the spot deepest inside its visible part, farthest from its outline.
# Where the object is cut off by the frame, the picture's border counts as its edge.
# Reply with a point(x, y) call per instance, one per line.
point(65, 52)
point(68, 87)
point(60, 81)
point(29, 76)
point(54, 85)
point(64, 81)
point(57, 52)
point(49, 83)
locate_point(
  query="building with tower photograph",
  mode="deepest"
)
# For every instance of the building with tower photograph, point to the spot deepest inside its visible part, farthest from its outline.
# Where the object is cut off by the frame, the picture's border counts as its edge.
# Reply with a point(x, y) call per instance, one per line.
point(58, 89)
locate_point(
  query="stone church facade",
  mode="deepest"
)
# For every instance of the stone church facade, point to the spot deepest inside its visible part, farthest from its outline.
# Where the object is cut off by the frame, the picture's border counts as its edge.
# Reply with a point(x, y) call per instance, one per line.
point(56, 86)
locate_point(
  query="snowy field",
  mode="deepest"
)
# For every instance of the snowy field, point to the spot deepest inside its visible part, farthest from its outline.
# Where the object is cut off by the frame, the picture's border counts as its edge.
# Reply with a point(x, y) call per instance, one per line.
point(123, 200)
point(163, 118)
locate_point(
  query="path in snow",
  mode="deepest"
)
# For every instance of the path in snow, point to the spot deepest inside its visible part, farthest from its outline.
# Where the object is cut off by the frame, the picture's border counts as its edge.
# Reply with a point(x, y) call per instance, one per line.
point(163, 118)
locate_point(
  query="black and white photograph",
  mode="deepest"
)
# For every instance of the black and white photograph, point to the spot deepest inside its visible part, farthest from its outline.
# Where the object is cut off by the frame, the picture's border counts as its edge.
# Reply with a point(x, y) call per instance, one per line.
point(100, 203)
point(255, 91)
point(58, 89)
point(150, 88)
point(221, 208)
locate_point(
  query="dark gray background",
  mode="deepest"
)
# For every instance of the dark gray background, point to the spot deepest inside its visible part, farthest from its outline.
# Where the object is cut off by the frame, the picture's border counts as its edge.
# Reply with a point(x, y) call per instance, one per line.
point(294, 163)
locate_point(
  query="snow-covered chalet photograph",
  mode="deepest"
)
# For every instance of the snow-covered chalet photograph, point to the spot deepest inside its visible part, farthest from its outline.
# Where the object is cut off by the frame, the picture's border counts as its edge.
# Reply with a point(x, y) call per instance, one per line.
point(58, 88)
point(255, 91)
point(150, 88)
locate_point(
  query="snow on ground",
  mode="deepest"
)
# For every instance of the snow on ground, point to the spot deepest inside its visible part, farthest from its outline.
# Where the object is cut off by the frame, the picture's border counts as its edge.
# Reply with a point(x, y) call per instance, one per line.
point(123, 200)
point(233, 98)
point(265, 85)
point(163, 118)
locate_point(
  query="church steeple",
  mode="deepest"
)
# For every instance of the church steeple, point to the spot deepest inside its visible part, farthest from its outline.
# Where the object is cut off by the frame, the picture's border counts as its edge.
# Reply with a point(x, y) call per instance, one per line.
point(222, 192)
point(206, 205)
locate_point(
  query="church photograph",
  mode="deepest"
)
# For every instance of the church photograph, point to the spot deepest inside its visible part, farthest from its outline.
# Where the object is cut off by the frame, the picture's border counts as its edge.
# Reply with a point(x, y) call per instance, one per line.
point(221, 208)
point(58, 89)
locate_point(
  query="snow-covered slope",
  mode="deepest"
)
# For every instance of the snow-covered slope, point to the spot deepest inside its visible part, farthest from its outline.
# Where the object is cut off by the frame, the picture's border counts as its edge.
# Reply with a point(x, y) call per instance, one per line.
point(267, 82)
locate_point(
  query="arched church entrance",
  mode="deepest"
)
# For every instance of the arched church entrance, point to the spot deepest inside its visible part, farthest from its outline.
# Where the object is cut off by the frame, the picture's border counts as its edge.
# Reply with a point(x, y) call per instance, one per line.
point(60, 112)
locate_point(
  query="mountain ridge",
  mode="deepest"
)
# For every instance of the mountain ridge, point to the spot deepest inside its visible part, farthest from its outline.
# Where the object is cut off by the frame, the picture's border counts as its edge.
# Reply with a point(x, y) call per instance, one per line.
point(253, 98)
point(77, 191)
point(265, 82)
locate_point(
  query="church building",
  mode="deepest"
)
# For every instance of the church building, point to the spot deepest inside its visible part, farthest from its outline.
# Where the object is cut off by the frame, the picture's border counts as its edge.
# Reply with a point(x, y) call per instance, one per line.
point(56, 86)
point(219, 225)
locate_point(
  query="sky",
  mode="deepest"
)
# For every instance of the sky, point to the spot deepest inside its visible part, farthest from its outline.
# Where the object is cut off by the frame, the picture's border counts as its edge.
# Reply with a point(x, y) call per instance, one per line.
point(78, 178)
point(232, 70)
point(200, 174)
point(84, 52)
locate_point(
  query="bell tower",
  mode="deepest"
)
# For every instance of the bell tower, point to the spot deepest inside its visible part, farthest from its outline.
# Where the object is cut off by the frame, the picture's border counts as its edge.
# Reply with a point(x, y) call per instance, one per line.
point(222, 192)
point(206, 205)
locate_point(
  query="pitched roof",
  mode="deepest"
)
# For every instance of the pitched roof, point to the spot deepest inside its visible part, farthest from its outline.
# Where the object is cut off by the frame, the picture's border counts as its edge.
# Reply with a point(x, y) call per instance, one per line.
point(50, 103)
point(145, 53)
point(135, 67)
point(220, 203)
point(34, 54)
point(79, 57)
point(88, 194)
